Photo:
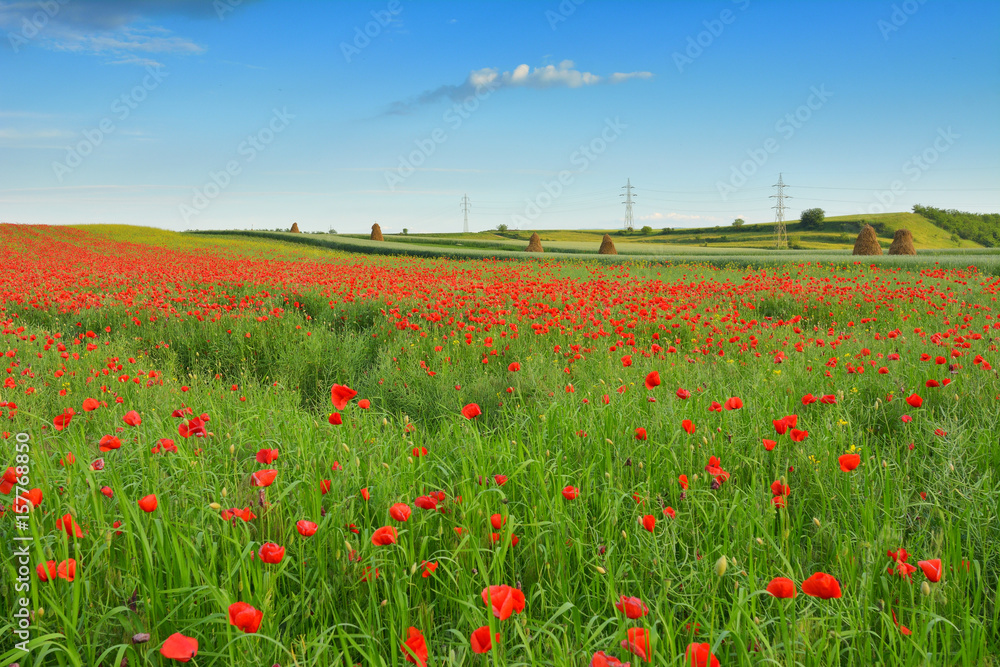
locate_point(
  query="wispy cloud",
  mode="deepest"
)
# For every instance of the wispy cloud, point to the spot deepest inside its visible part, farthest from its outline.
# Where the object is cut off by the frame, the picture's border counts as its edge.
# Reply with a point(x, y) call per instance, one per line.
point(563, 75)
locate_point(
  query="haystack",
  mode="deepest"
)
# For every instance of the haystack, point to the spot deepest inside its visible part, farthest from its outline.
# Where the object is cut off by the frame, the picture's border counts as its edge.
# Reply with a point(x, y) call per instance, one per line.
point(376, 233)
point(295, 228)
point(534, 244)
point(867, 242)
point(607, 246)
point(902, 243)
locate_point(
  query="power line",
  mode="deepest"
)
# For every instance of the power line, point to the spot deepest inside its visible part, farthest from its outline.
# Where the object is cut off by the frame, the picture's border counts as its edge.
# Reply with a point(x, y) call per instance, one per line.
point(628, 204)
point(780, 234)
point(466, 205)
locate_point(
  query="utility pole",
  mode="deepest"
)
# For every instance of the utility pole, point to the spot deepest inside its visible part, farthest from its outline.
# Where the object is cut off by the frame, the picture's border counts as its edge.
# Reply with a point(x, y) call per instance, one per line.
point(780, 233)
point(466, 205)
point(629, 226)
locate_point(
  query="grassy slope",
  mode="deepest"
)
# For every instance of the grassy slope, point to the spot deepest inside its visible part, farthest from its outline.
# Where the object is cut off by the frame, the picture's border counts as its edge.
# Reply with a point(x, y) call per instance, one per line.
point(837, 234)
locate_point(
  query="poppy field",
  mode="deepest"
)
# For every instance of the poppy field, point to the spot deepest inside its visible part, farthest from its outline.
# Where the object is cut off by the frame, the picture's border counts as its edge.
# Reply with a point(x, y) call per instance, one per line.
point(240, 452)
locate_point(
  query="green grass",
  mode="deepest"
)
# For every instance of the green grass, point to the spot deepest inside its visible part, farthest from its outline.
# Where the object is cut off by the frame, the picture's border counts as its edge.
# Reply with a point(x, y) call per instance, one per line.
point(337, 321)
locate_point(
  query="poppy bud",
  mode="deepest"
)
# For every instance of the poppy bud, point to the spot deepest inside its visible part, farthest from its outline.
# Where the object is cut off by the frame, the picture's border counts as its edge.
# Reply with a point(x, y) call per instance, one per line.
point(760, 541)
point(215, 506)
point(232, 449)
point(224, 492)
point(603, 571)
point(624, 535)
point(409, 459)
point(925, 588)
point(816, 521)
point(720, 566)
point(346, 448)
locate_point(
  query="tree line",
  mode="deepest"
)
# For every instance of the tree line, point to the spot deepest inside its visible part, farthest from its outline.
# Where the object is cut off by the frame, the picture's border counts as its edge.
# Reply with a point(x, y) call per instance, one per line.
point(983, 228)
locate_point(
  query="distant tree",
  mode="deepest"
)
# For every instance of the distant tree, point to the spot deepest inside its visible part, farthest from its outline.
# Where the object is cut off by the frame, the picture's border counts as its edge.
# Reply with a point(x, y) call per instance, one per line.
point(501, 228)
point(332, 231)
point(405, 231)
point(739, 222)
point(812, 218)
point(647, 230)
point(667, 230)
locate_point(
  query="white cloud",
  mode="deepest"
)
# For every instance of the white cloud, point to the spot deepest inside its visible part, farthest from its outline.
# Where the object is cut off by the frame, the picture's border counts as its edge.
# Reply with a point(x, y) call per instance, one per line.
point(563, 75)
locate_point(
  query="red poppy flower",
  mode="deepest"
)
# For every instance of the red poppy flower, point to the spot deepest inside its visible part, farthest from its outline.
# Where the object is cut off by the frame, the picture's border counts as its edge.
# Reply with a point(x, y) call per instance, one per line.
point(688, 426)
point(90, 404)
point(821, 585)
point(649, 522)
point(779, 489)
point(715, 407)
point(30, 499)
point(734, 403)
point(179, 647)
point(107, 491)
point(632, 607)
point(429, 568)
point(769, 444)
point(809, 399)
point(849, 462)
point(640, 433)
point(914, 400)
point(400, 511)
point(335, 419)
point(829, 399)
point(364, 404)
point(271, 553)
point(108, 443)
point(324, 487)
point(683, 479)
point(683, 393)
point(132, 418)
point(263, 478)
point(497, 521)
point(932, 569)
point(504, 600)
point(700, 655)
point(9, 480)
point(669, 511)
point(571, 493)
point(781, 587)
point(601, 659)
point(306, 528)
point(471, 411)
point(341, 395)
point(419, 451)
point(365, 494)
point(481, 640)
point(652, 380)
point(245, 617)
point(63, 420)
point(148, 503)
point(244, 514)
point(384, 536)
point(71, 527)
point(414, 648)
point(500, 479)
point(514, 367)
point(46, 571)
point(426, 502)
point(797, 435)
point(637, 642)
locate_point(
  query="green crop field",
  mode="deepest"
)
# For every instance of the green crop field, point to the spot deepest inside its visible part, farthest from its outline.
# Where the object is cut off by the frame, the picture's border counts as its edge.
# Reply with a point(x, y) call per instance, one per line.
point(273, 449)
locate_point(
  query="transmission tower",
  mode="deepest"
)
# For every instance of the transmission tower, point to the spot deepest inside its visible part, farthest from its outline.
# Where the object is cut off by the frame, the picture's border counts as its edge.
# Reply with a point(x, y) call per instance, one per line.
point(628, 204)
point(780, 233)
point(466, 205)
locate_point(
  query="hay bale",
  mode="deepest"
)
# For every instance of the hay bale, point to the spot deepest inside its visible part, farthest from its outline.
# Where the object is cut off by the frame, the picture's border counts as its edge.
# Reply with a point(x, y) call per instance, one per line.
point(902, 243)
point(867, 242)
point(607, 246)
point(534, 244)
point(295, 228)
point(376, 233)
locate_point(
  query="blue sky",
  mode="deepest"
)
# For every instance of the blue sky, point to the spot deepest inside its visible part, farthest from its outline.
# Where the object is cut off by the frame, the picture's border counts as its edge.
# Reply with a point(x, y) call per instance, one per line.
point(194, 114)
